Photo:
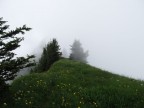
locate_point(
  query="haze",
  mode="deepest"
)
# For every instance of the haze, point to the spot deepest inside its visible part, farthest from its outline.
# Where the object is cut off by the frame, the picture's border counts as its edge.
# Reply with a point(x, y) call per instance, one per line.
point(112, 30)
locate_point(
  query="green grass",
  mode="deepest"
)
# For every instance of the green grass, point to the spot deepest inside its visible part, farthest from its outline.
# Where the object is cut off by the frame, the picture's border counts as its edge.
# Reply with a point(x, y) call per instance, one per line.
point(71, 84)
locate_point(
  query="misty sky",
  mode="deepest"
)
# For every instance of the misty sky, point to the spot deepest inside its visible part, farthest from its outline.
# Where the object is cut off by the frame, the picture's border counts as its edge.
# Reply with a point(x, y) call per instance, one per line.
point(112, 30)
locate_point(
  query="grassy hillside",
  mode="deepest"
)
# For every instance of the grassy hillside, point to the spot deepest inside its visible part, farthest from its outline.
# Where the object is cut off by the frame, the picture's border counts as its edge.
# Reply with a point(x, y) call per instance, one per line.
point(70, 84)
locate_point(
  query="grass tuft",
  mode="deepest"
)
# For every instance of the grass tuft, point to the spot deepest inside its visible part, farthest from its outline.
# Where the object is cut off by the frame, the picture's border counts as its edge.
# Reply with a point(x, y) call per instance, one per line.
point(71, 84)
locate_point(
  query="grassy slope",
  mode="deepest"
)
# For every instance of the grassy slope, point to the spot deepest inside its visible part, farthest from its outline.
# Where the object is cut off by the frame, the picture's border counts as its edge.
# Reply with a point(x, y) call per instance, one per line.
point(70, 84)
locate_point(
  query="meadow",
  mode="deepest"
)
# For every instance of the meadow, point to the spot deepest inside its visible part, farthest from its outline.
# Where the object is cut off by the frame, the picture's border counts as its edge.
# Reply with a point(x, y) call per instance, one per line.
point(71, 84)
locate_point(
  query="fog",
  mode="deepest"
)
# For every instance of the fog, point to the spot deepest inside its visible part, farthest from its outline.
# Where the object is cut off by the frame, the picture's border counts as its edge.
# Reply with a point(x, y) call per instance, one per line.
point(112, 30)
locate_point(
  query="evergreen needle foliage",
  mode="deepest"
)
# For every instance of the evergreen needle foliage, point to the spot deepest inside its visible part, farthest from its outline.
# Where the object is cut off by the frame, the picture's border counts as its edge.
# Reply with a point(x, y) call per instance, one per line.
point(77, 52)
point(9, 64)
point(51, 53)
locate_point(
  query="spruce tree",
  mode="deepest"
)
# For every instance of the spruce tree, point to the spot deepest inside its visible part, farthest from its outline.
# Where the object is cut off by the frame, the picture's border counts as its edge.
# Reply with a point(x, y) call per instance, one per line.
point(51, 53)
point(77, 52)
point(9, 64)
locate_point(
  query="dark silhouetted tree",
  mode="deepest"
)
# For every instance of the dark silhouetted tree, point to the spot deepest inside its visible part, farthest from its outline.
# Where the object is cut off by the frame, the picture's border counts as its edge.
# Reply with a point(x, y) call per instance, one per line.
point(9, 64)
point(51, 53)
point(77, 52)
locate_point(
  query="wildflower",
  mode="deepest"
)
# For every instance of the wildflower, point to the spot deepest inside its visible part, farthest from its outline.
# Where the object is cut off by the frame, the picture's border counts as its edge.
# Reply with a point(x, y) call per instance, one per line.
point(19, 98)
point(28, 91)
point(5, 104)
point(94, 103)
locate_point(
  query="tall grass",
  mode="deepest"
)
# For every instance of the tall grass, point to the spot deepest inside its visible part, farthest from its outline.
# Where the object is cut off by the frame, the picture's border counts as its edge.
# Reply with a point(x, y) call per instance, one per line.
point(71, 84)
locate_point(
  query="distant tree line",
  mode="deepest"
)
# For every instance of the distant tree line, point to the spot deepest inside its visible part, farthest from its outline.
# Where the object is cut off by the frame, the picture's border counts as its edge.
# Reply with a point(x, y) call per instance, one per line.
point(51, 53)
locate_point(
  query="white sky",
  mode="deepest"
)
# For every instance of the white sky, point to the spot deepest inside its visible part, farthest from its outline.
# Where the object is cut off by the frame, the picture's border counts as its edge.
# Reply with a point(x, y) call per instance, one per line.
point(112, 30)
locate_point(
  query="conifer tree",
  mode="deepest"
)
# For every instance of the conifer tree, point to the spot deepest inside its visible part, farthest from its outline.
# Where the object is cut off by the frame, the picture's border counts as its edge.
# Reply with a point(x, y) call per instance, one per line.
point(51, 53)
point(9, 64)
point(77, 52)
